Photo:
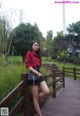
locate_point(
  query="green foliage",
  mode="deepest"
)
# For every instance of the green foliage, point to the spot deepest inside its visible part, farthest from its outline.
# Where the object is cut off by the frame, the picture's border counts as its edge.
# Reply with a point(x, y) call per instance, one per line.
point(54, 56)
point(65, 42)
point(23, 35)
point(49, 34)
point(74, 34)
point(46, 44)
point(75, 60)
point(74, 28)
point(14, 59)
point(10, 76)
point(58, 45)
point(4, 35)
point(2, 61)
point(59, 64)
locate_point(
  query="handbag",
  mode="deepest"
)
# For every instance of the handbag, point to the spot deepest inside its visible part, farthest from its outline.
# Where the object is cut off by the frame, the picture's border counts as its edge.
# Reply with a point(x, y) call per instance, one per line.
point(32, 78)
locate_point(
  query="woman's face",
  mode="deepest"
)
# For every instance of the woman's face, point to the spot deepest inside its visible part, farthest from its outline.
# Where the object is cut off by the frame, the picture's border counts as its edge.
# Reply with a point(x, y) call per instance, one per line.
point(35, 46)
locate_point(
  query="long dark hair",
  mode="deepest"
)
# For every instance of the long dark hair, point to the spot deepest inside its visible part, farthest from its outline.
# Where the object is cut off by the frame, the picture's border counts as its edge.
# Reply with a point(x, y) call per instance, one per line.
point(38, 52)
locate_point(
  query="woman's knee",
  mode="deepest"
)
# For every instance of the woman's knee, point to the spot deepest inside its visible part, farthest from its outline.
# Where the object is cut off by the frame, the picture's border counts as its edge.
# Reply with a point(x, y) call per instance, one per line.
point(46, 92)
point(35, 98)
point(44, 88)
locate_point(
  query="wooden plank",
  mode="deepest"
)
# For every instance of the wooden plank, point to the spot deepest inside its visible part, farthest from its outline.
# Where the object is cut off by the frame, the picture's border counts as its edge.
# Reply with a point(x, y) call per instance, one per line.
point(9, 97)
point(67, 102)
point(69, 68)
point(77, 69)
point(16, 107)
point(69, 75)
point(59, 79)
point(22, 114)
point(69, 72)
point(77, 73)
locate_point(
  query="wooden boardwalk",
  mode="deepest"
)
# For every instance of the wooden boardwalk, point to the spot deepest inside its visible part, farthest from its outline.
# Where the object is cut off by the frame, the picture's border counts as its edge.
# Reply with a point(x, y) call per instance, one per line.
point(67, 102)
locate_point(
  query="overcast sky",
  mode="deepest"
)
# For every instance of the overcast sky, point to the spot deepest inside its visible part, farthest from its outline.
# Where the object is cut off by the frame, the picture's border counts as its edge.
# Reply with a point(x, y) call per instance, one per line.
point(46, 13)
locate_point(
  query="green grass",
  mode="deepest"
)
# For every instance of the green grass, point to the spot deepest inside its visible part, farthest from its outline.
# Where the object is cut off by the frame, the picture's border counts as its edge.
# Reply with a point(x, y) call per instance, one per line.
point(47, 60)
point(16, 59)
point(10, 76)
point(59, 64)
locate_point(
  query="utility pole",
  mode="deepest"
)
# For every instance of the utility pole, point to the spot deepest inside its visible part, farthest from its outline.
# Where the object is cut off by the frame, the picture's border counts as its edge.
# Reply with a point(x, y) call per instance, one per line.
point(21, 16)
point(64, 20)
point(0, 4)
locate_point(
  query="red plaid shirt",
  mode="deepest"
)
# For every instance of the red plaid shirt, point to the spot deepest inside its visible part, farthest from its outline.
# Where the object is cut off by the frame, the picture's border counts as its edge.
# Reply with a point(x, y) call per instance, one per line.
point(32, 59)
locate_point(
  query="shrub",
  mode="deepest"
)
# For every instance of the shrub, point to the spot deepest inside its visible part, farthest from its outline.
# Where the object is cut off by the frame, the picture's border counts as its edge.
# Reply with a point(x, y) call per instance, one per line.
point(76, 61)
point(54, 56)
point(10, 76)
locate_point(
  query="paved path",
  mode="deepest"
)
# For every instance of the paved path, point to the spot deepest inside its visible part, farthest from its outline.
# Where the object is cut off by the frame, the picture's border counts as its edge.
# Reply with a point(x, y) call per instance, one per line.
point(67, 102)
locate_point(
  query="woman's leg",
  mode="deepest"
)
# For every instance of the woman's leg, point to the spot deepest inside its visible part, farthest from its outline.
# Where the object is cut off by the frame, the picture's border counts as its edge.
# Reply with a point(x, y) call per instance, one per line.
point(35, 99)
point(44, 88)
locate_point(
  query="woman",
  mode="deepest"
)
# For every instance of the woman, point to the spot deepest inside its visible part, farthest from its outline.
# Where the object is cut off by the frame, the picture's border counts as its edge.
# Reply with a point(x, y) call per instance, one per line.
point(32, 56)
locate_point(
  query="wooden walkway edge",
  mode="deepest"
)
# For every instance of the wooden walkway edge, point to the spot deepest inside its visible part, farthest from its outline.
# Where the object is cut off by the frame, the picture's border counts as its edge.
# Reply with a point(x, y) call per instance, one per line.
point(67, 102)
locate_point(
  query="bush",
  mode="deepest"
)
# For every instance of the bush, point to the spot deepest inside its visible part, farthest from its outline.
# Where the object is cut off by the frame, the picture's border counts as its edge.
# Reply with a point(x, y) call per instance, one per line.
point(70, 59)
point(76, 61)
point(10, 76)
point(54, 56)
point(2, 61)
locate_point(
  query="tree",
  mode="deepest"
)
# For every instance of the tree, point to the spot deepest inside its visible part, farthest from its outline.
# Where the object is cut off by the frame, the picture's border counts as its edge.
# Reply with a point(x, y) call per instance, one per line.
point(5, 30)
point(1, 35)
point(74, 28)
point(49, 34)
point(4, 35)
point(70, 42)
point(74, 35)
point(59, 44)
point(48, 43)
point(23, 35)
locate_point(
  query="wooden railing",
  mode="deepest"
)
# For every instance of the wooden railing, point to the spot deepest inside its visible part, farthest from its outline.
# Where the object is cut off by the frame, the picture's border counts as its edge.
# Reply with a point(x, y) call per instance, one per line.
point(23, 105)
point(72, 72)
point(6, 101)
point(58, 80)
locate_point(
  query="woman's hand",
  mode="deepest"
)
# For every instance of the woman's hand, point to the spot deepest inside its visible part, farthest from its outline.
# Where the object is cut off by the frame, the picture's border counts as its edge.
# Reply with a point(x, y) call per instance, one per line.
point(39, 74)
point(35, 71)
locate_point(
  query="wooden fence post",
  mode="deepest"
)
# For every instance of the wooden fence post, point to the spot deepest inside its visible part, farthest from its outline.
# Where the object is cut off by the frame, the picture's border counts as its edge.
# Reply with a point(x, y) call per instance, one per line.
point(26, 96)
point(54, 84)
point(74, 73)
point(63, 71)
